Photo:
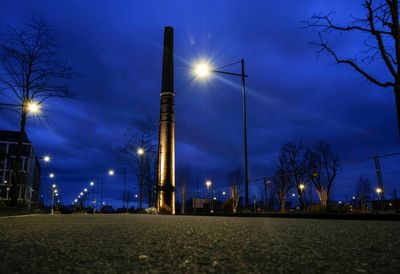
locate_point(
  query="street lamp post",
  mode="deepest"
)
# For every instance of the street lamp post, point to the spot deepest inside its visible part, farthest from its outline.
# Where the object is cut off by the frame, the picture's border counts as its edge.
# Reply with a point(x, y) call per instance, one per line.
point(140, 152)
point(210, 184)
point(53, 193)
point(93, 192)
point(379, 191)
point(301, 186)
point(202, 70)
point(111, 172)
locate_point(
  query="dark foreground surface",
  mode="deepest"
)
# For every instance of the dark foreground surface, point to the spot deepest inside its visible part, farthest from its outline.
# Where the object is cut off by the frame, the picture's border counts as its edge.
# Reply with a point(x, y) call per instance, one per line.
point(150, 243)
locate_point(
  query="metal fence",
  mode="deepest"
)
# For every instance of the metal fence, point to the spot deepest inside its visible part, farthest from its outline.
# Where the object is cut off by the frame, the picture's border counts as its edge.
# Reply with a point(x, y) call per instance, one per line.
point(365, 185)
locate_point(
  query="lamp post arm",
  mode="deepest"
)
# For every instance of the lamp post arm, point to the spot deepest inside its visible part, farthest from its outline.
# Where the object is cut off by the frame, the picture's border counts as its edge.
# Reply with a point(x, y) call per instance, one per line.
point(230, 73)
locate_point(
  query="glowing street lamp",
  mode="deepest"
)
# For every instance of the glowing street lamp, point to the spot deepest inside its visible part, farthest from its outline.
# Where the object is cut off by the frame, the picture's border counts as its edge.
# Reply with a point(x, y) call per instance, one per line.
point(33, 107)
point(51, 175)
point(302, 186)
point(54, 186)
point(85, 190)
point(208, 184)
point(378, 190)
point(202, 70)
point(91, 183)
point(111, 172)
point(47, 158)
point(81, 193)
point(140, 151)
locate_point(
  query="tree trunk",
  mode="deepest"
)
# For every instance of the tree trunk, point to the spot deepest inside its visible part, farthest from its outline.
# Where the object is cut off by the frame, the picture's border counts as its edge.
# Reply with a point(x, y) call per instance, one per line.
point(282, 201)
point(323, 198)
point(397, 98)
point(17, 166)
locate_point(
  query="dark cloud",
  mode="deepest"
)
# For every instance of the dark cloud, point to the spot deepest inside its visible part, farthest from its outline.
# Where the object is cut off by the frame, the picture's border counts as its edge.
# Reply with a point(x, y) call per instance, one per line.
point(292, 94)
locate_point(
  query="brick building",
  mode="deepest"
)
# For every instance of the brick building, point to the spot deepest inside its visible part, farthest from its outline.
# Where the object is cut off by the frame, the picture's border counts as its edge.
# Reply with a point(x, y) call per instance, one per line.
point(29, 187)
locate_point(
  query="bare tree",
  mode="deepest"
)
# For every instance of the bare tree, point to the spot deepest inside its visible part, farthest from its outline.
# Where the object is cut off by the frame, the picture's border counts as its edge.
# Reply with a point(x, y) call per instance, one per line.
point(322, 166)
point(363, 190)
point(293, 154)
point(126, 197)
point(32, 71)
point(281, 181)
point(141, 153)
point(381, 27)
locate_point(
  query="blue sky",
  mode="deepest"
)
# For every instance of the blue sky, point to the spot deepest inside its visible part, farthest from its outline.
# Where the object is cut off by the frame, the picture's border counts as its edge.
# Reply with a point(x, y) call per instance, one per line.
point(292, 94)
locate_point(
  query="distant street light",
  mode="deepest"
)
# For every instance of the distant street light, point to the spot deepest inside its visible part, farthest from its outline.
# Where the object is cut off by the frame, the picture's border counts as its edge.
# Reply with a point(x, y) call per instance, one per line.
point(111, 172)
point(81, 193)
point(91, 183)
point(208, 184)
point(47, 158)
point(203, 70)
point(85, 190)
point(140, 151)
point(51, 175)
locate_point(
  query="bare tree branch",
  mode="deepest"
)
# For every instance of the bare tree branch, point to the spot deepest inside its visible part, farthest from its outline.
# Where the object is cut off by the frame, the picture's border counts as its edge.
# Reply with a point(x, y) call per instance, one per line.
point(325, 47)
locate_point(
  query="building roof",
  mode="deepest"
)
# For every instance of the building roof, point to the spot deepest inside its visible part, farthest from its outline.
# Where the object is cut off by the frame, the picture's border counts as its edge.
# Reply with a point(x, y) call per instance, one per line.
point(12, 136)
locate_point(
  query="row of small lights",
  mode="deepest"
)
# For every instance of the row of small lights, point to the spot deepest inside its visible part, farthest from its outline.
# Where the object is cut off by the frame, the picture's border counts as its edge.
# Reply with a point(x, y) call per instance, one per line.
point(85, 190)
point(111, 172)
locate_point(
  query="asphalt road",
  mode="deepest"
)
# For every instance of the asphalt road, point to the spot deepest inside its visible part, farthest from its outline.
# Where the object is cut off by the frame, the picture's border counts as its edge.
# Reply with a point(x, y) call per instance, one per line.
point(150, 243)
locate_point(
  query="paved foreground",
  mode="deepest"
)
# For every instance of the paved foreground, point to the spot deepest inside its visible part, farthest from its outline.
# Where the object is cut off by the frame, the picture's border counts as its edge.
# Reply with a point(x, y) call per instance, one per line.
point(149, 243)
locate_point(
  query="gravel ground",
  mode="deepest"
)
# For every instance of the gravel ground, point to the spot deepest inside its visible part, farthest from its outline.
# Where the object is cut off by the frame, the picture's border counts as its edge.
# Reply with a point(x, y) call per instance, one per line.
point(188, 244)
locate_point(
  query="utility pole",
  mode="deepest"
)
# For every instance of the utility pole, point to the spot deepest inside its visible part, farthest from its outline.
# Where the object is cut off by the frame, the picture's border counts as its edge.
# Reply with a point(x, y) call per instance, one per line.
point(379, 179)
point(265, 194)
point(183, 198)
point(101, 194)
point(246, 172)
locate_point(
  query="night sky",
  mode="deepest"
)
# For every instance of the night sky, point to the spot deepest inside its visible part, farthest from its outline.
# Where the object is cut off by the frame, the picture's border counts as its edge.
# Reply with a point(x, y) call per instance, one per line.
point(116, 46)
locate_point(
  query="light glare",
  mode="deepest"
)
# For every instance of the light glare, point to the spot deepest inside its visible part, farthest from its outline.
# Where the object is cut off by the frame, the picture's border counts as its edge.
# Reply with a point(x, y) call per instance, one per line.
point(202, 70)
point(33, 107)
